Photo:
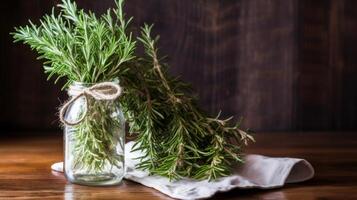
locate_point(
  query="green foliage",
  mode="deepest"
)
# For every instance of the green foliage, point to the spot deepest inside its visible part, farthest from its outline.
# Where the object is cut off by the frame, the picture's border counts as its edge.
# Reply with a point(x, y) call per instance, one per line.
point(96, 138)
point(177, 138)
point(80, 46)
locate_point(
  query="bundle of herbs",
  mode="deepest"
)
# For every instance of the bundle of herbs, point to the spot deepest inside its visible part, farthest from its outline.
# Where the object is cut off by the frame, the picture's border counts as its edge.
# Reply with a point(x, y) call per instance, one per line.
point(176, 137)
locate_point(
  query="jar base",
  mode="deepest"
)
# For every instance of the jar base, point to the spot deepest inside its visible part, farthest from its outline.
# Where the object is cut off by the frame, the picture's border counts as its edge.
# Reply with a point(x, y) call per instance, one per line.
point(96, 180)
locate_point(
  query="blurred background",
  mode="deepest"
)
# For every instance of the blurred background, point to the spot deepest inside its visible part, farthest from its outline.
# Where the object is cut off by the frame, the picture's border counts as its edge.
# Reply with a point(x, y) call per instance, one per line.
point(283, 65)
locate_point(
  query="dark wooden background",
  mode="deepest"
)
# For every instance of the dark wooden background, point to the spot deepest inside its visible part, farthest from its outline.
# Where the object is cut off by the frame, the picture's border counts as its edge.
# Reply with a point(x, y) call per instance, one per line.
point(281, 64)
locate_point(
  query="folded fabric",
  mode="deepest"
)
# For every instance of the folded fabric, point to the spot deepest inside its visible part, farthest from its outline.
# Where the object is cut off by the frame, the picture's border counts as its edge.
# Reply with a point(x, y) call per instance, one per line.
point(257, 172)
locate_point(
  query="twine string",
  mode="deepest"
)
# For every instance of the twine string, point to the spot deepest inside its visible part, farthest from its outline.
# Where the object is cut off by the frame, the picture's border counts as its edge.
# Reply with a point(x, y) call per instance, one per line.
point(99, 91)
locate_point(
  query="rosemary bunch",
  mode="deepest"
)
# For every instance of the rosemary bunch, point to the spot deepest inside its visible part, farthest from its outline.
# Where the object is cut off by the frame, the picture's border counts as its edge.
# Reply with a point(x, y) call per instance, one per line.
point(82, 47)
point(176, 137)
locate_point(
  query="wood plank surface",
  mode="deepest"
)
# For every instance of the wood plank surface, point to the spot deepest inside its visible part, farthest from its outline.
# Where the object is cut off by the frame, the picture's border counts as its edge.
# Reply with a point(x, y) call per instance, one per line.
point(25, 169)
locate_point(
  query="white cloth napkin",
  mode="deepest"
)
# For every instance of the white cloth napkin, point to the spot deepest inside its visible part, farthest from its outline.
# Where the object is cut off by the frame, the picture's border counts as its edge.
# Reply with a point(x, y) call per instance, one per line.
point(257, 172)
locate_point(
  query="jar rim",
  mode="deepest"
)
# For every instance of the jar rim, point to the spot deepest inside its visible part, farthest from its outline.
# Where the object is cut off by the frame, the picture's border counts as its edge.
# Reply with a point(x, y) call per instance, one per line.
point(86, 84)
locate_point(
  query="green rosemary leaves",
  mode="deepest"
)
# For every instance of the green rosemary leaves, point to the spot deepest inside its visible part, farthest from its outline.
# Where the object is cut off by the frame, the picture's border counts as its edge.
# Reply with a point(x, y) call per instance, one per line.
point(79, 46)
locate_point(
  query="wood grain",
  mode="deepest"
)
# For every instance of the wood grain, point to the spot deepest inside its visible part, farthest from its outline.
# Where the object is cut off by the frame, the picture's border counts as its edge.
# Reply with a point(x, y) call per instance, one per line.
point(25, 169)
point(327, 69)
point(280, 64)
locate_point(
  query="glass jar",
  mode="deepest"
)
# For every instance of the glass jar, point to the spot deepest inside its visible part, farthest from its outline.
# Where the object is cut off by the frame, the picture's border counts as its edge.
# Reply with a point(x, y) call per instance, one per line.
point(94, 148)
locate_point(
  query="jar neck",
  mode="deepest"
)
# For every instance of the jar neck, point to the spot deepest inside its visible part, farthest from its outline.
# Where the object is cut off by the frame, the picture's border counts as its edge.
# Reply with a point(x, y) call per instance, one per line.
point(76, 87)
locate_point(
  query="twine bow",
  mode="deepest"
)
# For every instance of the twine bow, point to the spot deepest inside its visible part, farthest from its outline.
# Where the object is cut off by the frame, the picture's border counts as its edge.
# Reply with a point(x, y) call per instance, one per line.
point(99, 91)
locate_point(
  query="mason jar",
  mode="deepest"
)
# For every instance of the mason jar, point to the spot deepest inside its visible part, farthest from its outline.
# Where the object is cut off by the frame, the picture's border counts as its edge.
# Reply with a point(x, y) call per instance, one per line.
point(94, 148)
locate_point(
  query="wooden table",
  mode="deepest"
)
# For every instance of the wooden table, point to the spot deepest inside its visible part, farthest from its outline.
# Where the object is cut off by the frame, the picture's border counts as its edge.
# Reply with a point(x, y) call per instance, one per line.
point(25, 169)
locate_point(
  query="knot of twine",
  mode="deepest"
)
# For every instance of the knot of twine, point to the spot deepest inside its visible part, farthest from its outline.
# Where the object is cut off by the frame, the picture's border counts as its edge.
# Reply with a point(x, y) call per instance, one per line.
point(99, 91)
